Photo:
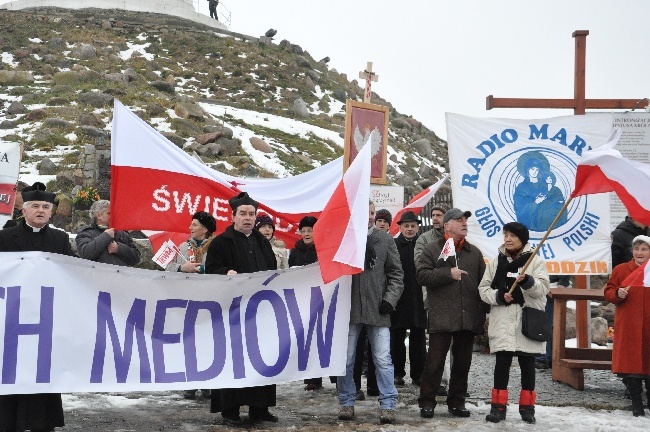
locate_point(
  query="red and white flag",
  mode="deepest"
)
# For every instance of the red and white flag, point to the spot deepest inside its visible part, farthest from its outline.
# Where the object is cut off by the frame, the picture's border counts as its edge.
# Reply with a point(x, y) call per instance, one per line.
point(416, 204)
point(604, 169)
point(157, 186)
point(341, 232)
point(166, 254)
point(448, 250)
point(639, 277)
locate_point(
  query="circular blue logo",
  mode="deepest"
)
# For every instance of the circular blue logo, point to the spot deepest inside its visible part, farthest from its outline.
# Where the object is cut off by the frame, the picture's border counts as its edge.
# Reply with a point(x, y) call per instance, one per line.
point(531, 186)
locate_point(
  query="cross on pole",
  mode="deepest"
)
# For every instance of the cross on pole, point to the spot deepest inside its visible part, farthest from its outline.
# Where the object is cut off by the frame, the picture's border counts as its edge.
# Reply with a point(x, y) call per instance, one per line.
point(579, 103)
point(369, 76)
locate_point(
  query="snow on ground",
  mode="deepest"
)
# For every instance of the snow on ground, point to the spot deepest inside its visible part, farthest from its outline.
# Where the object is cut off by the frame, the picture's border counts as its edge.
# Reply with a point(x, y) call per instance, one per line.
point(126, 54)
point(9, 59)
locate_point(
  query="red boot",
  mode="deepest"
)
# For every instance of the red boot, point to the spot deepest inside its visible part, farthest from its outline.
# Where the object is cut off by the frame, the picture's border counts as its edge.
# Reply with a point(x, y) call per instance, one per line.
point(499, 406)
point(527, 400)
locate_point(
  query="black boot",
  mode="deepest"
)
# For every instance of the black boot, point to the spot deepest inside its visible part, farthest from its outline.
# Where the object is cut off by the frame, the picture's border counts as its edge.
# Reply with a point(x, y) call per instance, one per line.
point(527, 400)
point(635, 385)
point(499, 406)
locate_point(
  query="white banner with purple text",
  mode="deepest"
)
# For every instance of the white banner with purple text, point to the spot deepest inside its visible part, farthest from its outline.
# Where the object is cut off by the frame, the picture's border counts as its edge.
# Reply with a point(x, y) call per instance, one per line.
point(72, 325)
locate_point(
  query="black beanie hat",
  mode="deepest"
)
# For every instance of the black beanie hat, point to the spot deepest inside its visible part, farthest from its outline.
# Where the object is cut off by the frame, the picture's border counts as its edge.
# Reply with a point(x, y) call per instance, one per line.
point(207, 220)
point(384, 215)
point(307, 221)
point(519, 230)
point(264, 219)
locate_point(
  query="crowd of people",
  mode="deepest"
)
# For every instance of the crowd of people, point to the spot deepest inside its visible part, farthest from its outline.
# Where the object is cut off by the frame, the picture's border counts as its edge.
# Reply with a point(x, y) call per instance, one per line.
point(436, 283)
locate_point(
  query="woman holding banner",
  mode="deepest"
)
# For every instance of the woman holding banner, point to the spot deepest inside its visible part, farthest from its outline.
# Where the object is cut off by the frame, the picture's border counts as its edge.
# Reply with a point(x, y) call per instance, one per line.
point(632, 323)
point(504, 331)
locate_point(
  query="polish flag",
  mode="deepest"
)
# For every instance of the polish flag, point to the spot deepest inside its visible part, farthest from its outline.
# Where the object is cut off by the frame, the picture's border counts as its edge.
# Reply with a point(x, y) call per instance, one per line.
point(448, 250)
point(416, 204)
point(639, 277)
point(166, 254)
point(157, 186)
point(341, 232)
point(604, 169)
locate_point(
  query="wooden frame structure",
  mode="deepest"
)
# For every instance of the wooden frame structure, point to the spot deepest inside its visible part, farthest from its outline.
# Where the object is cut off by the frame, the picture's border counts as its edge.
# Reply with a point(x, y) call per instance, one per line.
point(366, 117)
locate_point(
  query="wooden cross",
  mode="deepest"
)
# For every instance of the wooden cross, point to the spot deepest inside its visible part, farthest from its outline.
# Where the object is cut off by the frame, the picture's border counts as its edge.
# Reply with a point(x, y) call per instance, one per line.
point(369, 76)
point(578, 103)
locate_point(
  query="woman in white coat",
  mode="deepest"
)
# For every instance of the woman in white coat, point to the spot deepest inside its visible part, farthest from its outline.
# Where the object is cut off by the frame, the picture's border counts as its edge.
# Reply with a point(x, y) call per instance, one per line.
point(504, 331)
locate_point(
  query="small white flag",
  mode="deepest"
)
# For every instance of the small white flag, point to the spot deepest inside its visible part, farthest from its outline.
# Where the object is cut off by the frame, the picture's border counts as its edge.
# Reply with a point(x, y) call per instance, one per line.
point(448, 250)
point(166, 254)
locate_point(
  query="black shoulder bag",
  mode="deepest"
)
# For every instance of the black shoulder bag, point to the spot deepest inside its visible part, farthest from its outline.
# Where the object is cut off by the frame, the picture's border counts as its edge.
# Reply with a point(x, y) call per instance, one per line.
point(534, 324)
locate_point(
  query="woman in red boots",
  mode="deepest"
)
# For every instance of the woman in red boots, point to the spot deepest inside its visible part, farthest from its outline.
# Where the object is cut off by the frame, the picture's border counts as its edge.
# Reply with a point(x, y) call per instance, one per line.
point(504, 331)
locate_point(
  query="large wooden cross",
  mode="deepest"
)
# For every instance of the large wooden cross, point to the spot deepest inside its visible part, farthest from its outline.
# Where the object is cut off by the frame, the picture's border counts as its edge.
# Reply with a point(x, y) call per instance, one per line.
point(369, 76)
point(579, 104)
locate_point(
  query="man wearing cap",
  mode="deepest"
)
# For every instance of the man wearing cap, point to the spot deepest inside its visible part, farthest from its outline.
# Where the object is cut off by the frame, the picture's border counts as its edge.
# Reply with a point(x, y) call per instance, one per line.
point(383, 219)
point(242, 249)
point(44, 411)
point(374, 295)
point(97, 242)
point(456, 312)
point(409, 313)
point(437, 229)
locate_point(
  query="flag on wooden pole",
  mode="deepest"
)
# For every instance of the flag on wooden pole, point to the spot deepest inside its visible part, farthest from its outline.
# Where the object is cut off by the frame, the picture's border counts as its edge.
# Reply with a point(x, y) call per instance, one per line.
point(416, 204)
point(604, 169)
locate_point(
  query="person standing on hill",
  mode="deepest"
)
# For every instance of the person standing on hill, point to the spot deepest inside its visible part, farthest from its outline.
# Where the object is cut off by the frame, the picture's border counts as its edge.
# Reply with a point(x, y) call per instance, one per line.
point(212, 4)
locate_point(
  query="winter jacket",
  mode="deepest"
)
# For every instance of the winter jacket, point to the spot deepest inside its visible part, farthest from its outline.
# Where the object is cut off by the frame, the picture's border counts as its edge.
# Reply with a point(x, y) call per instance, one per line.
point(423, 240)
point(302, 254)
point(280, 251)
point(92, 242)
point(622, 238)
point(504, 329)
point(224, 255)
point(631, 352)
point(176, 264)
point(384, 281)
point(453, 305)
point(409, 312)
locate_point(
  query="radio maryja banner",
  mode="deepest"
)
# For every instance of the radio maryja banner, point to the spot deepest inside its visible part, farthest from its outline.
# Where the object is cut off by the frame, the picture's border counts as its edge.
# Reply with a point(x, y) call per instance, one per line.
point(506, 170)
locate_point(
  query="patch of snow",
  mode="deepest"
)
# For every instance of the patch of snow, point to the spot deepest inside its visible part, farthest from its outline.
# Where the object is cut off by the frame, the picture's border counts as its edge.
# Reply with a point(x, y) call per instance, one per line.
point(8, 58)
point(142, 37)
point(242, 55)
point(71, 136)
point(35, 40)
point(126, 54)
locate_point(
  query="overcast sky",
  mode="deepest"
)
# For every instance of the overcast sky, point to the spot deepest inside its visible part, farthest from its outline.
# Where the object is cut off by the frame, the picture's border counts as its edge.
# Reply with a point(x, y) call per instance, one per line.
point(437, 56)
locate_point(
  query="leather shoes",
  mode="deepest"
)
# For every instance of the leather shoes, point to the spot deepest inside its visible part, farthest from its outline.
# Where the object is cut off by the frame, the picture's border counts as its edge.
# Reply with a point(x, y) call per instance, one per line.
point(459, 411)
point(231, 420)
point(265, 416)
point(426, 412)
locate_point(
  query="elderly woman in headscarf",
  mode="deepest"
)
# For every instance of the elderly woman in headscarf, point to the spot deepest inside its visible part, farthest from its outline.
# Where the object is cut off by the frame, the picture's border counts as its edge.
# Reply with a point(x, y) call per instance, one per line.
point(264, 224)
point(504, 330)
point(631, 352)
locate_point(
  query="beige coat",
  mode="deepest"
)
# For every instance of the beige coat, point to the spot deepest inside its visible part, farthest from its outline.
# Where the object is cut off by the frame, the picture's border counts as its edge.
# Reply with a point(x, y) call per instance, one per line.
point(504, 328)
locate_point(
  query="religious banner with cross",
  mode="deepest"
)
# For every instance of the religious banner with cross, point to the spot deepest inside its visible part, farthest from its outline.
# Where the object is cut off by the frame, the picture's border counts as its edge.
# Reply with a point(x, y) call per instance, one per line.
point(365, 123)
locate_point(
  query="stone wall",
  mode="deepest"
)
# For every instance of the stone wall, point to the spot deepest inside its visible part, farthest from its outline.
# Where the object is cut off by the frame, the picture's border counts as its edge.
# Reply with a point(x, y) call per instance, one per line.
point(177, 8)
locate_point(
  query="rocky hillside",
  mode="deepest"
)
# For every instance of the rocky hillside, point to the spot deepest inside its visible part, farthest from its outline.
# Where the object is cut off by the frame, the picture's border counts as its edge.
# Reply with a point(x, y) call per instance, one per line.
point(60, 71)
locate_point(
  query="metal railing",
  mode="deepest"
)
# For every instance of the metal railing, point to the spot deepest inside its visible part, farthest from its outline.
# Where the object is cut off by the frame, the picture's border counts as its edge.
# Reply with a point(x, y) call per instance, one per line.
point(223, 13)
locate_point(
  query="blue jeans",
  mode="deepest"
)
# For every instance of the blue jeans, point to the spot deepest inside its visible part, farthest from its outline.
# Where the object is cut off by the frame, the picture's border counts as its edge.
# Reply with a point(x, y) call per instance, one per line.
point(379, 338)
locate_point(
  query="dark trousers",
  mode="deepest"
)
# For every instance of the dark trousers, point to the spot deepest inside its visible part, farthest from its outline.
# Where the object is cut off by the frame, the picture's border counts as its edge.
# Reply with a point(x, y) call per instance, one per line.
point(502, 370)
point(417, 351)
point(435, 365)
point(364, 352)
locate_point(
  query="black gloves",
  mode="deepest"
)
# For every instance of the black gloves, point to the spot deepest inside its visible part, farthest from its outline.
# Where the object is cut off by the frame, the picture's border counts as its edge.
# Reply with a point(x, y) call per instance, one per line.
point(385, 307)
point(527, 282)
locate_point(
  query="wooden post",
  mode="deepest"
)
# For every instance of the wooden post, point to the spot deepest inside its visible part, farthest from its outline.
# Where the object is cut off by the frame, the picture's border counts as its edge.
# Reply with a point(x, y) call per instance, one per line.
point(579, 104)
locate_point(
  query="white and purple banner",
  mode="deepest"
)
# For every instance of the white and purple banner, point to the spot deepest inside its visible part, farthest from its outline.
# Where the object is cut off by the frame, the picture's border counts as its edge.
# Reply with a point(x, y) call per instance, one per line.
point(9, 167)
point(506, 170)
point(71, 325)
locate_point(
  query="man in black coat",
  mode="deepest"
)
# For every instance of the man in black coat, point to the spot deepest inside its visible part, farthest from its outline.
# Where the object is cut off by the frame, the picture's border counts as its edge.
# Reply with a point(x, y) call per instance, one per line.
point(242, 249)
point(409, 313)
point(44, 411)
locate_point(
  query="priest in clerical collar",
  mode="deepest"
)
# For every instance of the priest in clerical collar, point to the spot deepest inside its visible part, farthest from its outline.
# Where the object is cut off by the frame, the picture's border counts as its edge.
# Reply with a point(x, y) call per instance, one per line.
point(43, 411)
